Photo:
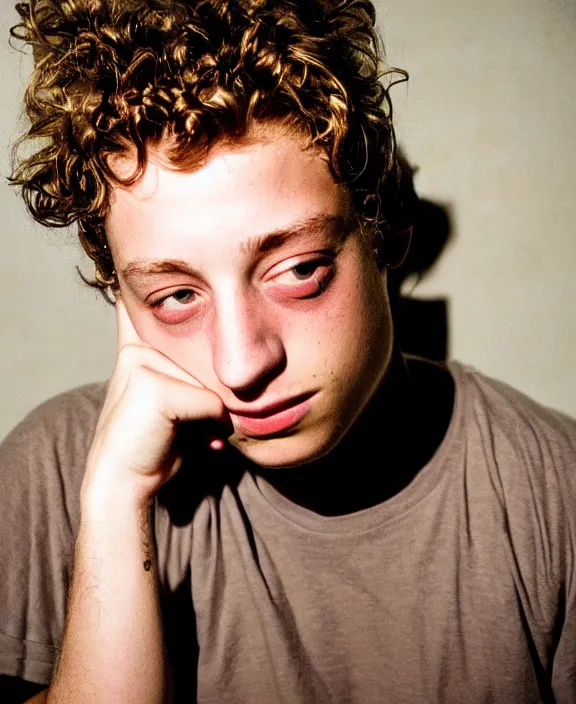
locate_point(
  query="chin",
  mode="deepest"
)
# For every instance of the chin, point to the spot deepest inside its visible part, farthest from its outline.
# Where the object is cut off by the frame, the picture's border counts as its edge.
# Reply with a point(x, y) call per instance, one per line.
point(283, 452)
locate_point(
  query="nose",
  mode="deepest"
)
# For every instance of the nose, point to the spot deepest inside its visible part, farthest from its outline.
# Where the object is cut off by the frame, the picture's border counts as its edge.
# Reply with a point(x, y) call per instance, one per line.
point(247, 346)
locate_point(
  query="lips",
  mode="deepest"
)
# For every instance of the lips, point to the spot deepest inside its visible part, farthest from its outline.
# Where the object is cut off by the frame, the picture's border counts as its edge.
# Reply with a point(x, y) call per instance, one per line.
point(273, 419)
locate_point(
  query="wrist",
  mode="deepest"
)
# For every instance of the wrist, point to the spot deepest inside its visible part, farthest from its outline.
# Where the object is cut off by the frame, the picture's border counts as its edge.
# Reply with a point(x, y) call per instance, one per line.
point(117, 527)
point(114, 500)
point(104, 489)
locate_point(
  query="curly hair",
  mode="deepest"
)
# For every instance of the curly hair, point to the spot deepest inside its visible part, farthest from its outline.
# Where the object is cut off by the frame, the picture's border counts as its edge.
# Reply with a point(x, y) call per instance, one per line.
point(118, 75)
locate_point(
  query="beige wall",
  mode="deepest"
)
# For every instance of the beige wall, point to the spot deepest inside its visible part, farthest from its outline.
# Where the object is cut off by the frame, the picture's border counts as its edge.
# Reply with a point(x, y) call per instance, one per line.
point(54, 334)
point(489, 118)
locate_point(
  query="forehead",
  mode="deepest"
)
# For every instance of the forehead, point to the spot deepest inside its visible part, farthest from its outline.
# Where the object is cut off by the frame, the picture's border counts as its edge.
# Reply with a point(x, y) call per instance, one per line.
point(244, 191)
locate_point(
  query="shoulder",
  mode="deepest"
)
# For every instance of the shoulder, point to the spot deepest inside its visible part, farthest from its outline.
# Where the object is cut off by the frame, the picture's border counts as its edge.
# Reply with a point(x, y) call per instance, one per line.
point(42, 465)
point(503, 409)
point(82, 403)
point(526, 450)
point(73, 413)
point(49, 447)
point(520, 475)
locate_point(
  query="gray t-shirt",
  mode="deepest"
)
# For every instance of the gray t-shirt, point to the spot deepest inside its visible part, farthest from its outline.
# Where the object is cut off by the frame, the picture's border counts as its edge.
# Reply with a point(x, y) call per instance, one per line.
point(461, 588)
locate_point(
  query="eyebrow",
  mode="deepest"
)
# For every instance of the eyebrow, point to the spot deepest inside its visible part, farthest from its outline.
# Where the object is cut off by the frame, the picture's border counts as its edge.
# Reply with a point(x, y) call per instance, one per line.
point(147, 267)
point(338, 226)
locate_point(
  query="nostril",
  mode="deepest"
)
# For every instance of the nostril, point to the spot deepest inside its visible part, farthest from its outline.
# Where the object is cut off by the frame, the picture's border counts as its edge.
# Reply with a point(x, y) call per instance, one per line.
point(250, 393)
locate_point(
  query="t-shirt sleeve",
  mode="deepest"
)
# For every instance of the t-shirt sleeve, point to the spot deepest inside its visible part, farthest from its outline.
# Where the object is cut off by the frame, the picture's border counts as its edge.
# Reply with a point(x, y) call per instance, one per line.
point(41, 468)
point(564, 668)
point(535, 457)
point(564, 664)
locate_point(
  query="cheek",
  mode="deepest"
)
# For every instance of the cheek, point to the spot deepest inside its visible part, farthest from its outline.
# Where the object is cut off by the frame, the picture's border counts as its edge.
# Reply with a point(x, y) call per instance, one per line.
point(346, 331)
point(360, 308)
point(360, 326)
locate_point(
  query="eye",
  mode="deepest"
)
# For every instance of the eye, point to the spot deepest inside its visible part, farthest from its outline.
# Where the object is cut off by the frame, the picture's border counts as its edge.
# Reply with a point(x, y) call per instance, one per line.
point(175, 308)
point(178, 299)
point(305, 271)
point(304, 279)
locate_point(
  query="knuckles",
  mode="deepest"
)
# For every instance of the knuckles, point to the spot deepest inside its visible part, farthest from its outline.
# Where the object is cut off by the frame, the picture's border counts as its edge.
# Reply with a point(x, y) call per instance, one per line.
point(145, 388)
point(146, 385)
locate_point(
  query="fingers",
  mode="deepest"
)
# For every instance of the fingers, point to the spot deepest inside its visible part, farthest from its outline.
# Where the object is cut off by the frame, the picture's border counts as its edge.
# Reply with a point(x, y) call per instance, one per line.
point(133, 352)
point(177, 400)
point(131, 357)
point(127, 334)
point(134, 439)
point(148, 399)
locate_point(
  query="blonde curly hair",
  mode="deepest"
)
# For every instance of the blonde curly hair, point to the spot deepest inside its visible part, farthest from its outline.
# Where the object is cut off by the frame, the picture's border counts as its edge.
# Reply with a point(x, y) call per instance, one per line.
point(118, 75)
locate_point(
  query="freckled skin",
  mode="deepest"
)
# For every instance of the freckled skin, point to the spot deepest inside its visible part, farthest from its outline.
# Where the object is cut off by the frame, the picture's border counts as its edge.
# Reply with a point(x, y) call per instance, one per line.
point(246, 333)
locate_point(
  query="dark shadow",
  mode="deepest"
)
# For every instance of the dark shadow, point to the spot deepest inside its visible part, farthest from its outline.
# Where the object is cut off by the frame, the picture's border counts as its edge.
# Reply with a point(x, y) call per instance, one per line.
point(179, 621)
point(15, 691)
point(421, 325)
point(192, 483)
point(203, 473)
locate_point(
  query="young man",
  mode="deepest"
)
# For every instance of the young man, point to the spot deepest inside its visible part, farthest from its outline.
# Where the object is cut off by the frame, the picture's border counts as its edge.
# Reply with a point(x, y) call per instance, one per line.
point(267, 502)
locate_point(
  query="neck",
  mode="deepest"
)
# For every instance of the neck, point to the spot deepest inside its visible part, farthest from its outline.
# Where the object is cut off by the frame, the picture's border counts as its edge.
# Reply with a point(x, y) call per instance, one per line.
point(396, 435)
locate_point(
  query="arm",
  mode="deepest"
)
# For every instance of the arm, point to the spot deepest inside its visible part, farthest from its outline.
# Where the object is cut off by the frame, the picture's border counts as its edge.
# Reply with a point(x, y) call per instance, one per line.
point(113, 649)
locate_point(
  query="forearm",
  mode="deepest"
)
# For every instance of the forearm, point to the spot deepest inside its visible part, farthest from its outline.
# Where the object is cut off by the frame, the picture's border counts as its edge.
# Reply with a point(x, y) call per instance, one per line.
point(113, 649)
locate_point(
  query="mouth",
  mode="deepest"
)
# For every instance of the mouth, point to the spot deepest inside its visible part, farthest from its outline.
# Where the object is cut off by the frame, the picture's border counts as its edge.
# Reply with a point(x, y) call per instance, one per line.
point(273, 419)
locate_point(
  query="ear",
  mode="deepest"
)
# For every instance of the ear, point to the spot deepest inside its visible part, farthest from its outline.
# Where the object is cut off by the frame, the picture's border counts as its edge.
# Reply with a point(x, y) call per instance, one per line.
point(395, 249)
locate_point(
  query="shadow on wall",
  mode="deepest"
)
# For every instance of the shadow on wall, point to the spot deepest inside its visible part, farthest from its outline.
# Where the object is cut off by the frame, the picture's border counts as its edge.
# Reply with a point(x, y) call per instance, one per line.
point(422, 326)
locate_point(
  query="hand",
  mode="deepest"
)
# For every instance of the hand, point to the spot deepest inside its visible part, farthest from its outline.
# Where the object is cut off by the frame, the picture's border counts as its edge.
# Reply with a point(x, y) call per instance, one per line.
point(148, 396)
